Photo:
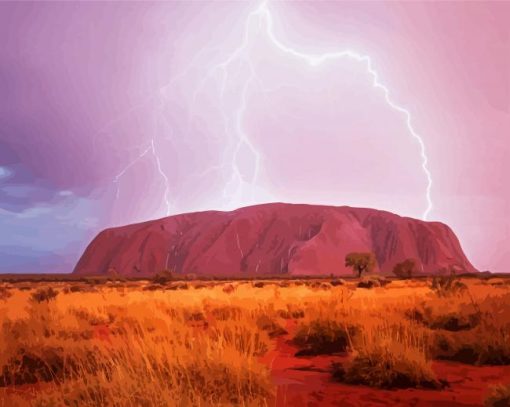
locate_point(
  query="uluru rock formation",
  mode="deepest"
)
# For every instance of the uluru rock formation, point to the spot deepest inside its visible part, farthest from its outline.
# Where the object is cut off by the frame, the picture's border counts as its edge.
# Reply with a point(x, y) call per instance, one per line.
point(270, 239)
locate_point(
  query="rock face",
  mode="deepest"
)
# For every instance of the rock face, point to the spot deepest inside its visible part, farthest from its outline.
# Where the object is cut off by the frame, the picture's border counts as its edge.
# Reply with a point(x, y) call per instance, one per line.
point(272, 239)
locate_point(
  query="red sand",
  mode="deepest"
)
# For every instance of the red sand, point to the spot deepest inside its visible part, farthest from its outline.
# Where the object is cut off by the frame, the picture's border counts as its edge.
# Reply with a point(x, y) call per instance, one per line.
point(313, 387)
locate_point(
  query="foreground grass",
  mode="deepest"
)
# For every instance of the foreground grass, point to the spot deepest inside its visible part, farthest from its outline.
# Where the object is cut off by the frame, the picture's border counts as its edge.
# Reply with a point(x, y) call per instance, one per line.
point(200, 343)
point(389, 356)
point(133, 349)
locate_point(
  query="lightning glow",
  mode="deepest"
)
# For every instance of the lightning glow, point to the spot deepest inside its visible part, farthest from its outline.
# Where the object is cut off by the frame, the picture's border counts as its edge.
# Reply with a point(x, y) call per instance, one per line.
point(264, 24)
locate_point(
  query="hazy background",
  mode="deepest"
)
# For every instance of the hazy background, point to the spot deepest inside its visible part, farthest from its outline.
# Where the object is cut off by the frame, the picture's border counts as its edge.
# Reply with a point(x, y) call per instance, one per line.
point(112, 113)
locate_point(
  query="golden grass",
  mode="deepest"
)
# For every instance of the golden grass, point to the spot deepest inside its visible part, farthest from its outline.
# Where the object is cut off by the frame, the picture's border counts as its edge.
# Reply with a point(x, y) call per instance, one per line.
point(120, 344)
point(389, 355)
point(134, 349)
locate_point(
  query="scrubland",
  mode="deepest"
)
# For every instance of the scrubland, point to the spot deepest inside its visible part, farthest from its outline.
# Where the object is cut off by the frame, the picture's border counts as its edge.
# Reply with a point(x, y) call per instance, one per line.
point(204, 343)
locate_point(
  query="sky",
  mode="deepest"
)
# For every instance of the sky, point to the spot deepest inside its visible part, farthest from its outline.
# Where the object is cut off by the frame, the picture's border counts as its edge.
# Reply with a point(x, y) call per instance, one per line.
point(113, 113)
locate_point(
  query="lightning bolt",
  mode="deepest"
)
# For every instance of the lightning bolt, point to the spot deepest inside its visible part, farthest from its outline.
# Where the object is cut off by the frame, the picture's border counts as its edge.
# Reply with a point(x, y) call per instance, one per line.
point(315, 60)
point(234, 128)
point(154, 152)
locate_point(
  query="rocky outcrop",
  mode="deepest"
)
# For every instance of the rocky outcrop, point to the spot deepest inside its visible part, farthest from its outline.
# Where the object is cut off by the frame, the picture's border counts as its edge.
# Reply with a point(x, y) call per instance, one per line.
point(272, 239)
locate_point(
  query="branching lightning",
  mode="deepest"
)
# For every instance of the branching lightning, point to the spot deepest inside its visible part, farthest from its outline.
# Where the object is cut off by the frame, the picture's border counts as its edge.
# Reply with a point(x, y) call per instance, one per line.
point(260, 21)
point(154, 152)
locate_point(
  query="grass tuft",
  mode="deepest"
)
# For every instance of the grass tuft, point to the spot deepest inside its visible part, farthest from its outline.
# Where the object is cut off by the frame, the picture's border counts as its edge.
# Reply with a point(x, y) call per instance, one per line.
point(322, 337)
point(499, 396)
point(44, 294)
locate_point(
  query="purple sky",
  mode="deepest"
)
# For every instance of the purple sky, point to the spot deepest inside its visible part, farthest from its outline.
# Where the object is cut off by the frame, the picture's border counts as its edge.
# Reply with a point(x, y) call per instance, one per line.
point(112, 113)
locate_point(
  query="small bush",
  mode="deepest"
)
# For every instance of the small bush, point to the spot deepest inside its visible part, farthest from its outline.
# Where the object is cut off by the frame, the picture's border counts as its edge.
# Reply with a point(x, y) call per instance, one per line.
point(372, 281)
point(153, 287)
point(291, 314)
point(445, 286)
point(196, 319)
point(405, 269)
point(5, 293)
point(322, 337)
point(163, 277)
point(228, 289)
point(94, 281)
point(480, 346)
point(177, 286)
point(226, 312)
point(455, 323)
point(499, 396)
point(31, 367)
point(258, 284)
point(381, 370)
point(337, 281)
point(449, 322)
point(75, 288)
point(273, 329)
point(44, 295)
point(195, 316)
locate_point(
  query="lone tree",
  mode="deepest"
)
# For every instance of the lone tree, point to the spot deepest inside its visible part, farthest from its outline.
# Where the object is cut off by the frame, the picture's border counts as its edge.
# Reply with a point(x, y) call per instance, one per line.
point(360, 262)
point(405, 269)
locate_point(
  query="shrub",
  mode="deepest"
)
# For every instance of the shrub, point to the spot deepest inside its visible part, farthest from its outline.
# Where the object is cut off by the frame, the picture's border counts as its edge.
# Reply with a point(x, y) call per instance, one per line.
point(153, 287)
point(4, 293)
point(226, 312)
point(372, 281)
point(291, 314)
point(194, 316)
point(177, 286)
point(268, 324)
point(499, 396)
point(459, 320)
point(481, 346)
point(44, 294)
point(322, 337)
point(388, 356)
point(405, 269)
point(28, 367)
point(382, 370)
point(163, 277)
point(454, 323)
point(337, 282)
point(445, 286)
point(75, 288)
point(228, 289)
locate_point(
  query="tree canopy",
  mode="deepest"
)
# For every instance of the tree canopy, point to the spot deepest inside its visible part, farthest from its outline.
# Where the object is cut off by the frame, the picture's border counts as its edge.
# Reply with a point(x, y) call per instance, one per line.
point(361, 262)
point(405, 269)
